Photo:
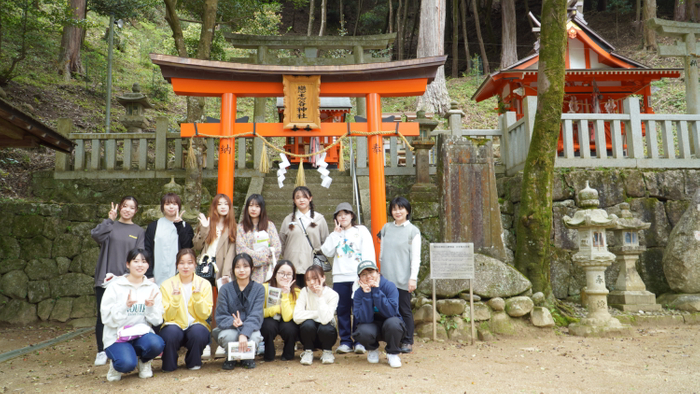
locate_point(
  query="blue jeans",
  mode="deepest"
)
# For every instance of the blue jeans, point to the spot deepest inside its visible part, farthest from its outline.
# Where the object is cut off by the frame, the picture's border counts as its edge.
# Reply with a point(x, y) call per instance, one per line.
point(125, 355)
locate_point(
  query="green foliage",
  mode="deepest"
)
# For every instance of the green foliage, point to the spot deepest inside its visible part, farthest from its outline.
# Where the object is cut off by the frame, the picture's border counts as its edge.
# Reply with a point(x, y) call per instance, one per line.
point(266, 21)
point(121, 9)
point(191, 35)
point(24, 25)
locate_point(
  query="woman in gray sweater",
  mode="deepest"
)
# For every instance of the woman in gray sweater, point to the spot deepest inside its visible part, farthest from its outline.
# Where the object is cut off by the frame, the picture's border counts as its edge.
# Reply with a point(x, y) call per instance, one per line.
point(116, 238)
point(239, 311)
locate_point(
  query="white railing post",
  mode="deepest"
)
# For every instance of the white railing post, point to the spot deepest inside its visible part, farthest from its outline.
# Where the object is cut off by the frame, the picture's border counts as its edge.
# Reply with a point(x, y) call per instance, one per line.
point(529, 112)
point(508, 119)
point(454, 116)
point(635, 147)
point(161, 142)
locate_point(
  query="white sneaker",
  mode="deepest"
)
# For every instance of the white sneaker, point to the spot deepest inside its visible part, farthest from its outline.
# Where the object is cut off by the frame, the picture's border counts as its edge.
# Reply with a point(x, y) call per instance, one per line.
point(373, 356)
point(359, 349)
point(342, 349)
point(220, 352)
point(113, 375)
point(198, 367)
point(101, 358)
point(206, 353)
point(307, 357)
point(145, 370)
point(394, 360)
point(327, 357)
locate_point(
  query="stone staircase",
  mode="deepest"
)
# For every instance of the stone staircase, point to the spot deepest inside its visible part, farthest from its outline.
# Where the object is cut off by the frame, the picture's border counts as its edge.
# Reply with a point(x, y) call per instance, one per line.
point(279, 201)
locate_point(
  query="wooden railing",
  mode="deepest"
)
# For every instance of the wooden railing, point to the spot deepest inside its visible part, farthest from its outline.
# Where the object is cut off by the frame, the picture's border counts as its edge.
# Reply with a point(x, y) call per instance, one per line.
point(631, 140)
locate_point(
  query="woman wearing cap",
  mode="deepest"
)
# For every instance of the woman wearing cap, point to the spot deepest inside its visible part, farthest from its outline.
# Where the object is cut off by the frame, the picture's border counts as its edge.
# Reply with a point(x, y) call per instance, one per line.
point(400, 265)
point(349, 244)
point(376, 311)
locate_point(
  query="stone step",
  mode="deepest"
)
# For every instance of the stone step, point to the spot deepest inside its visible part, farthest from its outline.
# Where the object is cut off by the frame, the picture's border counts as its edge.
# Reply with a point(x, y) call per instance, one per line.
point(273, 193)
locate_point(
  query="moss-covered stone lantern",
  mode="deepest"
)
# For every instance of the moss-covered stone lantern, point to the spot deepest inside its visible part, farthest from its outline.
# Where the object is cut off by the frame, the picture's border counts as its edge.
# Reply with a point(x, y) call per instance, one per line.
point(630, 293)
point(593, 256)
point(135, 104)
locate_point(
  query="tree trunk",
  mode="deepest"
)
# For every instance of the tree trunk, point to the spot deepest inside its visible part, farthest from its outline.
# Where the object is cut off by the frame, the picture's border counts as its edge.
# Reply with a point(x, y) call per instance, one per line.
point(509, 34)
point(342, 15)
point(463, 9)
point(638, 15)
point(649, 12)
point(322, 30)
point(534, 221)
point(679, 11)
point(399, 30)
point(357, 19)
point(195, 105)
point(390, 25)
point(312, 10)
point(69, 58)
point(484, 59)
point(455, 38)
point(416, 24)
point(431, 42)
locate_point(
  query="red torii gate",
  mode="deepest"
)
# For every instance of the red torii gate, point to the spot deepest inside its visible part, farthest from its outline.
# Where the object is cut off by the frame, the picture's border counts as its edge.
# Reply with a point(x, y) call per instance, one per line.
point(194, 77)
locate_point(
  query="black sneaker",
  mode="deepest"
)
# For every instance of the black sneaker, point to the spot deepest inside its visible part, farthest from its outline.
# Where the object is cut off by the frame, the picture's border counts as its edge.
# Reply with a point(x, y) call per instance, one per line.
point(229, 365)
point(248, 364)
point(406, 348)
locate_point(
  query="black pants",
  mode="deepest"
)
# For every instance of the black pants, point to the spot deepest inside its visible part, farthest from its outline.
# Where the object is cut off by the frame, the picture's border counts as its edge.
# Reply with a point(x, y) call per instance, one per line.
point(194, 339)
point(391, 331)
point(407, 315)
point(288, 331)
point(99, 326)
point(314, 335)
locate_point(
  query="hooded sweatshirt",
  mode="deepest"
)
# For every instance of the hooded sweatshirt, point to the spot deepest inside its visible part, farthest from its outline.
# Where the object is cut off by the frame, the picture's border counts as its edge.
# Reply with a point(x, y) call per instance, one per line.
point(115, 314)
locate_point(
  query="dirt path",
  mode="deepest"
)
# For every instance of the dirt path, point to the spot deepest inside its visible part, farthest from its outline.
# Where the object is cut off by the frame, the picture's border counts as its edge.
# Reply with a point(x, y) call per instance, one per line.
point(663, 360)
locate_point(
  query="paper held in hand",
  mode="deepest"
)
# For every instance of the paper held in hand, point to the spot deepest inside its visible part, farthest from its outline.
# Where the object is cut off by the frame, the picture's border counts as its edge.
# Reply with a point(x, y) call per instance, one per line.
point(273, 296)
point(234, 354)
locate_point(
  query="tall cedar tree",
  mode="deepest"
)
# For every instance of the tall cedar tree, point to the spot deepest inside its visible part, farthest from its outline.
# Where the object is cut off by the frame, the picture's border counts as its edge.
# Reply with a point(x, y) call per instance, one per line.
point(534, 221)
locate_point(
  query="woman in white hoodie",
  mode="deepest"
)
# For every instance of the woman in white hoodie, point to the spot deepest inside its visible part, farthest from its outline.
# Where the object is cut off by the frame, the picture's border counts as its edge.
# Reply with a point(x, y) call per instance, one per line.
point(348, 244)
point(130, 306)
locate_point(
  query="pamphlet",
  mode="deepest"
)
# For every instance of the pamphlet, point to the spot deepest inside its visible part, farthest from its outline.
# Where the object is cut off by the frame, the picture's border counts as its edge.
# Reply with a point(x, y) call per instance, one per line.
point(234, 354)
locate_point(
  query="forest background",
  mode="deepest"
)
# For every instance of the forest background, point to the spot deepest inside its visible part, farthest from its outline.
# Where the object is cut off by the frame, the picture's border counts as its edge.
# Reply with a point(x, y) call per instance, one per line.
point(53, 54)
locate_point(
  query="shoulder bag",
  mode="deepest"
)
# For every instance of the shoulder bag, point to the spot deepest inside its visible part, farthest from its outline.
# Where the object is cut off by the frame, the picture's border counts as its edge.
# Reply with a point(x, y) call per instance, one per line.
point(319, 259)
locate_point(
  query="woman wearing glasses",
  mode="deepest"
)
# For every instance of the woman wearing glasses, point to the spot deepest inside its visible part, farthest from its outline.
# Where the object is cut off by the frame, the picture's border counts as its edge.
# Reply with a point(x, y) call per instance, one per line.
point(281, 293)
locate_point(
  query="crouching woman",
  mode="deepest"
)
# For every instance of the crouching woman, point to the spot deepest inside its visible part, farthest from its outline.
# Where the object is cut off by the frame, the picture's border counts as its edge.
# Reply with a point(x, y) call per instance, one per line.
point(130, 306)
point(187, 303)
point(239, 311)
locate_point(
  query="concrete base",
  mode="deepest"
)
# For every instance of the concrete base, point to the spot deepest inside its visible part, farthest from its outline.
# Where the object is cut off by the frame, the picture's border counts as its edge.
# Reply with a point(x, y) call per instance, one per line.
point(597, 328)
point(633, 301)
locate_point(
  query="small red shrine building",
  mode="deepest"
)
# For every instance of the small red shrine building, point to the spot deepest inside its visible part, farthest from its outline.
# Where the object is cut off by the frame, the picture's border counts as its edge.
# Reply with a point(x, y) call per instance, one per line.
point(597, 78)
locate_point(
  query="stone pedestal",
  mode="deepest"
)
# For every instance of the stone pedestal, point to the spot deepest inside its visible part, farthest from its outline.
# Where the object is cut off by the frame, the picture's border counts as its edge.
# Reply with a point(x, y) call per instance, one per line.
point(469, 210)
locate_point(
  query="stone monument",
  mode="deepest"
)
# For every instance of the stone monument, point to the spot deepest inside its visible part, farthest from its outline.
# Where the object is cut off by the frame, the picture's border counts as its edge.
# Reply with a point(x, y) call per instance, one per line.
point(630, 293)
point(593, 256)
point(135, 103)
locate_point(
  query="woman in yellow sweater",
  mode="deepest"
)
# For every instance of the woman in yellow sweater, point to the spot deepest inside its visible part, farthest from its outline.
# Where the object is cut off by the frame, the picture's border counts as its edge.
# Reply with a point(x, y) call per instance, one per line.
point(187, 303)
point(281, 295)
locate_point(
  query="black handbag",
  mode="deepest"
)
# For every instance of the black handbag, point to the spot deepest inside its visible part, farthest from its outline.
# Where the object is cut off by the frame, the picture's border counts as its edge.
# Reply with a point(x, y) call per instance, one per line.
point(206, 269)
point(319, 259)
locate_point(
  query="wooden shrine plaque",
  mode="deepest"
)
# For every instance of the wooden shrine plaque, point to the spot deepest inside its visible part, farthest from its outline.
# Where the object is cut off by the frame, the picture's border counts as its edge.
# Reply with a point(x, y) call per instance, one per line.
point(302, 102)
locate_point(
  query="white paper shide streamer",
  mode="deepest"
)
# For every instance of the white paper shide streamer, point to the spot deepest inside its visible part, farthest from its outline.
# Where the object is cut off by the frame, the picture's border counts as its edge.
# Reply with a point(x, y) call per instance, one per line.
point(321, 163)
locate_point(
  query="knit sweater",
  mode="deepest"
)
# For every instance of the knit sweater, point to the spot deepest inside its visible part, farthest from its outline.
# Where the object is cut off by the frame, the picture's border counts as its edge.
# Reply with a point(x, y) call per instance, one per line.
point(249, 303)
point(199, 306)
point(400, 253)
point(262, 259)
point(295, 246)
point(312, 307)
point(116, 239)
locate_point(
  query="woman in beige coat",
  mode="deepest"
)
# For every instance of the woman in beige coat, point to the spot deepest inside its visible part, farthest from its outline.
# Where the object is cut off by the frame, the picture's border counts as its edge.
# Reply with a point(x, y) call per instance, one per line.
point(216, 238)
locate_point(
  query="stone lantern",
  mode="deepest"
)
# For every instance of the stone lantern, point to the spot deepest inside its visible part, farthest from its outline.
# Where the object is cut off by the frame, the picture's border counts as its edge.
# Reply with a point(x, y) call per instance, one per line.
point(135, 104)
point(423, 145)
point(630, 293)
point(593, 256)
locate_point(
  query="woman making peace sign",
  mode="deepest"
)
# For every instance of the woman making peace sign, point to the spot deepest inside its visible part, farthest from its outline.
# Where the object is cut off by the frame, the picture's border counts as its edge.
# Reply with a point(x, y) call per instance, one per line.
point(187, 303)
point(130, 306)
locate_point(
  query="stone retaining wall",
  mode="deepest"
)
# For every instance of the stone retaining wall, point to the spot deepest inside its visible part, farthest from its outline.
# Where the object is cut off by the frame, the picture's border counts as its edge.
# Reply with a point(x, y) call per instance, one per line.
point(656, 196)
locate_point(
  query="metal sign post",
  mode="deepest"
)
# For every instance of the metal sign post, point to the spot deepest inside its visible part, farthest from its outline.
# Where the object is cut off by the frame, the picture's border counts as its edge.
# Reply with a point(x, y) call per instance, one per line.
point(452, 261)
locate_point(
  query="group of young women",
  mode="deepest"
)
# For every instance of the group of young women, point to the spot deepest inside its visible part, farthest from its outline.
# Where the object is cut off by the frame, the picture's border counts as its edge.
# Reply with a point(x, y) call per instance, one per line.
point(155, 297)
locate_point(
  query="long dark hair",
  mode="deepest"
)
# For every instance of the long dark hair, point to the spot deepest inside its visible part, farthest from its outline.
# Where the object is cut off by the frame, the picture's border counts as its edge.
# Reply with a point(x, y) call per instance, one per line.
point(229, 221)
point(247, 222)
point(273, 280)
point(307, 194)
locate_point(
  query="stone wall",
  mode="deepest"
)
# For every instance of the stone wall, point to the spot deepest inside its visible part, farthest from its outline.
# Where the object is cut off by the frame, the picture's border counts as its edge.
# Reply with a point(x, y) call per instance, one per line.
point(47, 256)
point(656, 196)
